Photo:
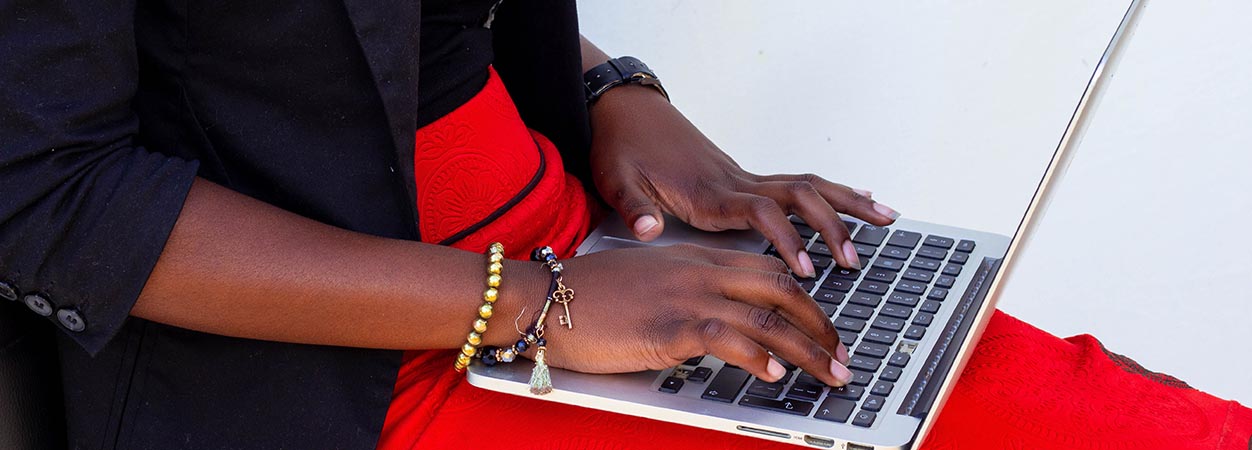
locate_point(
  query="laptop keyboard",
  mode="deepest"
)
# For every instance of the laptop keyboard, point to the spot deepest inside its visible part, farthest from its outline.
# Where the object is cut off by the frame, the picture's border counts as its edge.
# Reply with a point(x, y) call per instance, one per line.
point(880, 312)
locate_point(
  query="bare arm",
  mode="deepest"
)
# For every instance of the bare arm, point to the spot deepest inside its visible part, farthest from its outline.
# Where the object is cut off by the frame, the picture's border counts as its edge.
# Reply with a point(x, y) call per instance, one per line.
point(239, 267)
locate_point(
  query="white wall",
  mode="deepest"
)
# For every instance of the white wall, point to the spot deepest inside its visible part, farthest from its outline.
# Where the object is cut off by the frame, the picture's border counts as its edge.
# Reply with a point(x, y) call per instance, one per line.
point(948, 110)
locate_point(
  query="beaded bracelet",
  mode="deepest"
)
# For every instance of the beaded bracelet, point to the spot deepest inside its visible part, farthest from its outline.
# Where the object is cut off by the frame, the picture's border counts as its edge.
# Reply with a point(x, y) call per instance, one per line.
point(540, 378)
point(495, 264)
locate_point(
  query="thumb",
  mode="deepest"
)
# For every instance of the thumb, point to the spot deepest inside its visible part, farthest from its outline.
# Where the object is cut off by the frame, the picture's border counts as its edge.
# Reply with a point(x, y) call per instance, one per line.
point(640, 212)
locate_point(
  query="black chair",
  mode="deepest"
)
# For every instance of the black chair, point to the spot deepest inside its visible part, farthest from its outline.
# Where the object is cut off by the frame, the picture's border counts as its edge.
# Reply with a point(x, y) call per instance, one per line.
point(32, 415)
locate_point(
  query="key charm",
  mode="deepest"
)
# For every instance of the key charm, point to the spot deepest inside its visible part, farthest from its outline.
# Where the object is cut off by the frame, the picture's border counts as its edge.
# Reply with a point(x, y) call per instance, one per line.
point(564, 295)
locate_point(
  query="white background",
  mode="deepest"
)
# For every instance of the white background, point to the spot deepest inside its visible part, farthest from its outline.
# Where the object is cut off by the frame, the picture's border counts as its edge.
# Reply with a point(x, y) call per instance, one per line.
point(948, 111)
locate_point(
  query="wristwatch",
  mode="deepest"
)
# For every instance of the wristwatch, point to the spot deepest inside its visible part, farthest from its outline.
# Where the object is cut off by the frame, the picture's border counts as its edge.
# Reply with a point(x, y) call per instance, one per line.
point(617, 72)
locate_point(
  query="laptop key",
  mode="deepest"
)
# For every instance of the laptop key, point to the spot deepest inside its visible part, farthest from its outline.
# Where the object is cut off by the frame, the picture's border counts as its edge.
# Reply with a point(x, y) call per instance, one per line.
point(695, 360)
point(851, 226)
point(820, 248)
point(866, 251)
point(937, 294)
point(888, 264)
point(945, 281)
point(835, 409)
point(700, 375)
point(959, 258)
point(888, 323)
point(924, 319)
point(891, 374)
point(864, 419)
point(882, 388)
point(915, 332)
point(849, 324)
point(807, 284)
point(911, 287)
point(881, 337)
point(874, 403)
point(838, 284)
point(894, 252)
point(805, 391)
point(726, 385)
point(847, 337)
point(847, 274)
point(931, 306)
point(897, 311)
point(847, 392)
point(939, 241)
point(871, 349)
point(805, 231)
point(828, 308)
point(865, 363)
point(861, 378)
point(787, 406)
point(899, 359)
point(873, 287)
point(952, 269)
point(861, 298)
point(808, 378)
point(871, 235)
point(858, 312)
point(761, 388)
point(932, 252)
point(906, 239)
point(901, 298)
point(925, 264)
point(828, 296)
point(920, 276)
point(880, 275)
point(821, 263)
point(671, 385)
point(965, 246)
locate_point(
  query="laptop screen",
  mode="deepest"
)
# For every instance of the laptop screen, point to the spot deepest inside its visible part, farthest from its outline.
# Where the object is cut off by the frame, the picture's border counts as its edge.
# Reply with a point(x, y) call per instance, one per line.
point(948, 111)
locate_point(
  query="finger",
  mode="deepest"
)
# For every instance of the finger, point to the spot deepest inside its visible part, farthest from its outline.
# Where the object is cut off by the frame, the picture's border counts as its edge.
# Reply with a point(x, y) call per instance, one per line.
point(638, 209)
point(763, 214)
point(802, 198)
point(744, 260)
point(782, 294)
point(844, 199)
point(715, 337)
point(774, 332)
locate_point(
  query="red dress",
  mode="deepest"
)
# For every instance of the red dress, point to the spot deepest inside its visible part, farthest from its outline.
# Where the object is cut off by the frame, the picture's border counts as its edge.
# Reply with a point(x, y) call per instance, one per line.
point(1023, 388)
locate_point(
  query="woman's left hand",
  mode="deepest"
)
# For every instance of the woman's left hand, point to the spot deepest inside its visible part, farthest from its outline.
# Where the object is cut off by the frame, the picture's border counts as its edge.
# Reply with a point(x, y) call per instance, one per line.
point(647, 159)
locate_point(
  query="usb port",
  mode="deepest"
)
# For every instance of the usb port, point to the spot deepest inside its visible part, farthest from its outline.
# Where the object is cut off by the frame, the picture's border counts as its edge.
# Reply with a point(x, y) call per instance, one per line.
point(819, 441)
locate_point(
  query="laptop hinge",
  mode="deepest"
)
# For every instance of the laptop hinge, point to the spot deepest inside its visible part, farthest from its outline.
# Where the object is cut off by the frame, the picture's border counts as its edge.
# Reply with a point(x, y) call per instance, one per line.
point(926, 388)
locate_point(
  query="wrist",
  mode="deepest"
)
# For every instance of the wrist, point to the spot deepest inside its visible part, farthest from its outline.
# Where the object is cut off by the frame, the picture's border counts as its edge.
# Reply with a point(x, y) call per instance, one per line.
point(618, 104)
point(523, 288)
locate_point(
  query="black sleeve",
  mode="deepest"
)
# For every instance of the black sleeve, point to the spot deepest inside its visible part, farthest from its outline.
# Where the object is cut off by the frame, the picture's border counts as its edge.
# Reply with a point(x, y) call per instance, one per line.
point(84, 211)
point(539, 58)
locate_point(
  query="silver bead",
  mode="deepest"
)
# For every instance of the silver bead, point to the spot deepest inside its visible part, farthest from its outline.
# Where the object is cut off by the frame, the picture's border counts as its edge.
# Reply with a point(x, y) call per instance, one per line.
point(507, 355)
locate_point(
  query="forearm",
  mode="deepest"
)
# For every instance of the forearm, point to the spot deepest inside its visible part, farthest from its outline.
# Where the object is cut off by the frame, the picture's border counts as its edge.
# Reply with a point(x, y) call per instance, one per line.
point(239, 267)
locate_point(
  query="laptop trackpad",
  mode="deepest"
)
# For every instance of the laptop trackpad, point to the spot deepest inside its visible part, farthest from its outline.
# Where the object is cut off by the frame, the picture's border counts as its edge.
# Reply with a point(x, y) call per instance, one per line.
point(610, 243)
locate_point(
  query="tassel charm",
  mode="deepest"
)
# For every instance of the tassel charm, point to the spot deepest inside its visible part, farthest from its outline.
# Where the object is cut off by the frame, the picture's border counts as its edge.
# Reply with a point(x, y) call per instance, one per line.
point(540, 380)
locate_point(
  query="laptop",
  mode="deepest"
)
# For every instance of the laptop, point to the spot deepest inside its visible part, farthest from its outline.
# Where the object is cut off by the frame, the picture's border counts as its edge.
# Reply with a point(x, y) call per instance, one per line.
point(909, 318)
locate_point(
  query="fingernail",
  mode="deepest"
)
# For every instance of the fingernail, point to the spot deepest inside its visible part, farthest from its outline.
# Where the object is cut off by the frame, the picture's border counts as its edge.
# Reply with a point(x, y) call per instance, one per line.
point(644, 224)
point(886, 211)
point(806, 264)
point(840, 372)
point(849, 252)
point(841, 355)
point(864, 193)
point(776, 370)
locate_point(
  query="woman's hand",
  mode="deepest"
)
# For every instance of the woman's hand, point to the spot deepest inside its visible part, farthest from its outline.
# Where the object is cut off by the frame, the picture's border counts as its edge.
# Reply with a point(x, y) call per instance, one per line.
point(652, 308)
point(648, 160)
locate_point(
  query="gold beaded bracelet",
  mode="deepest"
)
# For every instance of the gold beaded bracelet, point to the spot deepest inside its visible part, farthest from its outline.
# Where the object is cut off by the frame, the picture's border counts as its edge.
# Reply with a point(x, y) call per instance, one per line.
point(495, 264)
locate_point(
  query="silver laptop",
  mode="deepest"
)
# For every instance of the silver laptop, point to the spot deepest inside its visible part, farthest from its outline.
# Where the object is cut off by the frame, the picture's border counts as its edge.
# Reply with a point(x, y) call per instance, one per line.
point(909, 320)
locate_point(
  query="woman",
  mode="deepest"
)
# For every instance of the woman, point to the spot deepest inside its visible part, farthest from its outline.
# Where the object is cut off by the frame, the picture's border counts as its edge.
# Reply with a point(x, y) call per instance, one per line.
point(220, 205)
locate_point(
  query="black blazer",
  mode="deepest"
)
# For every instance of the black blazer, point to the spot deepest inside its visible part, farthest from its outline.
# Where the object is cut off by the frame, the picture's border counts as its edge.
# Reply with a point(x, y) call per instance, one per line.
point(107, 112)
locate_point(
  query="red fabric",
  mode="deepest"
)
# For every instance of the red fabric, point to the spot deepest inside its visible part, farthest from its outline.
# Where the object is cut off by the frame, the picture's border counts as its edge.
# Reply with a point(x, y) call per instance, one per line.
point(1023, 388)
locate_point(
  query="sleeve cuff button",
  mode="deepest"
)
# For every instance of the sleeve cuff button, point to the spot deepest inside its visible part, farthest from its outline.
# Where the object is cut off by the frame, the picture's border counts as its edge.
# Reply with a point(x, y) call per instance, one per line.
point(71, 320)
point(8, 292)
point(38, 304)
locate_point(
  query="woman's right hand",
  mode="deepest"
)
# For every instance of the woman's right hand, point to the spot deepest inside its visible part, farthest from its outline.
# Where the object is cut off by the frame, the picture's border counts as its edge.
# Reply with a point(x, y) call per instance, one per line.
point(652, 308)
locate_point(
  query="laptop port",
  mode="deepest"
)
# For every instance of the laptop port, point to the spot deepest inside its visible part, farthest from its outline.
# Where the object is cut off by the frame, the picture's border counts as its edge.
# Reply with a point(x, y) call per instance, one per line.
point(819, 441)
point(852, 446)
point(769, 433)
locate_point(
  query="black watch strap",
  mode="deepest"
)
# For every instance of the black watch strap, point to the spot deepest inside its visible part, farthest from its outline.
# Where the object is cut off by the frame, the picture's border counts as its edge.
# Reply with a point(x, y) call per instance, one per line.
point(617, 72)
